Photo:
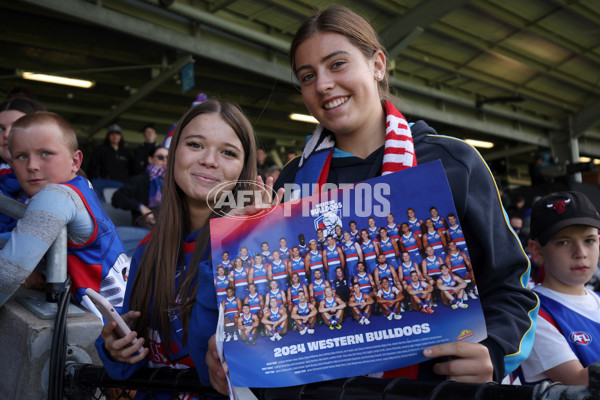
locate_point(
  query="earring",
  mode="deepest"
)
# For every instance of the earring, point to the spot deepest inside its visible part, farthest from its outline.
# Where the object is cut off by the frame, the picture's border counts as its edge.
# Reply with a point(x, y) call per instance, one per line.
point(379, 77)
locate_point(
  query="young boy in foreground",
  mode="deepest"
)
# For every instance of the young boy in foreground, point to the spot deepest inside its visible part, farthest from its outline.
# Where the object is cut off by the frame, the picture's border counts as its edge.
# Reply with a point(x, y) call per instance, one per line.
point(46, 159)
point(564, 238)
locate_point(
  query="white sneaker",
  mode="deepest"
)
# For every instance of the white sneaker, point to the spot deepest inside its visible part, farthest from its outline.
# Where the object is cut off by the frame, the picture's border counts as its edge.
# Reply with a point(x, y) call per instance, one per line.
point(465, 297)
point(235, 337)
point(463, 305)
point(391, 316)
point(367, 322)
point(472, 295)
point(397, 316)
point(454, 306)
point(361, 321)
point(303, 331)
point(278, 336)
point(310, 331)
point(273, 338)
point(228, 337)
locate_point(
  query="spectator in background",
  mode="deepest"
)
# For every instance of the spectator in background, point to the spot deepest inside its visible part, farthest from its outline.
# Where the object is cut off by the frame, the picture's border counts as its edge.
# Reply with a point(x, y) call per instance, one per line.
point(110, 165)
point(11, 110)
point(143, 192)
point(144, 150)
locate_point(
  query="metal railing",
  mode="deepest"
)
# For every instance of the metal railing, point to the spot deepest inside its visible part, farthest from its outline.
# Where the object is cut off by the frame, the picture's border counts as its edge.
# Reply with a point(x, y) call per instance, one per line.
point(92, 381)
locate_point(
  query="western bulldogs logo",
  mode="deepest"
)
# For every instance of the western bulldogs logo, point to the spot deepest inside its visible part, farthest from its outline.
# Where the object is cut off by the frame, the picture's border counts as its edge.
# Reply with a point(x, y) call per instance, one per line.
point(582, 338)
point(328, 221)
point(559, 206)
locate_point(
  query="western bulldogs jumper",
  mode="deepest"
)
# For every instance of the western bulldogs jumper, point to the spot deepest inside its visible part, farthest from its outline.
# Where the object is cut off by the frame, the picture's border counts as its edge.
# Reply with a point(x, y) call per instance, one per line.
point(407, 268)
point(389, 251)
point(228, 265)
point(101, 262)
point(364, 282)
point(393, 231)
point(240, 281)
point(254, 303)
point(316, 263)
point(385, 272)
point(410, 244)
point(230, 307)
point(416, 226)
point(370, 255)
point(267, 257)
point(373, 234)
point(333, 261)
point(432, 266)
point(279, 273)
point(299, 268)
point(457, 264)
point(351, 256)
point(284, 254)
point(434, 239)
point(439, 224)
point(456, 234)
point(259, 278)
point(319, 290)
point(278, 294)
point(221, 284)
point(294, 289)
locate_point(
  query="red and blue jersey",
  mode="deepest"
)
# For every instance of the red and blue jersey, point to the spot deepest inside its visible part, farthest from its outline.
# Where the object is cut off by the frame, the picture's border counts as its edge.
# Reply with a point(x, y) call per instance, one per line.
point(434, 239)
point(370, 255)
point(259, 278)
point(221, 284)
point(333, 261)
point(416, 226)
point(319, 290)
point(364, 282)
point(412, 246)
point(279, 273)
point(458, 264)
point(433, 266)
point(299, 268)
point(393, 231)
point(101, 262)
point(254, 303)
point(387, 248)
point(315, 263)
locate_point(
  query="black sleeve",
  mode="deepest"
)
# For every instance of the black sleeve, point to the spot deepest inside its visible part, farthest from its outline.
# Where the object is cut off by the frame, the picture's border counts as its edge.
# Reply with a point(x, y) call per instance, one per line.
point(134, 192)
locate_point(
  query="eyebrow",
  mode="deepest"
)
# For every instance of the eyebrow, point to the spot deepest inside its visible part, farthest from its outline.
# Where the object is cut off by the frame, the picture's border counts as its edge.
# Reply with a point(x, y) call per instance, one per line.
point(323, 60)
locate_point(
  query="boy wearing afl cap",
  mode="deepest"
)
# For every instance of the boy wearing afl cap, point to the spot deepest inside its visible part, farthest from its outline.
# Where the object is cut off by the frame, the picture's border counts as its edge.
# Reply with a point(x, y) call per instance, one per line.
point(564, 239)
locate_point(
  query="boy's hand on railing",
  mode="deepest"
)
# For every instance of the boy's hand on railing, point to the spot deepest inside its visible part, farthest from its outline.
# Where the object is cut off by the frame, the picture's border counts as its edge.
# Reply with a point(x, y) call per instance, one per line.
point(123, 349)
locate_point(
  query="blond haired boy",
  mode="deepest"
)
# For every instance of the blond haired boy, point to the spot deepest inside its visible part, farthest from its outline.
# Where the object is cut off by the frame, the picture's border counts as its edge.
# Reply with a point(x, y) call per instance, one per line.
point(46, 160)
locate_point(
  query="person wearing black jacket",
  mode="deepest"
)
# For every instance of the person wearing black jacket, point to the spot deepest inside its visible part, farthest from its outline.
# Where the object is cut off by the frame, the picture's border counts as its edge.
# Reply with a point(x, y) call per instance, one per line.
point(136, 196)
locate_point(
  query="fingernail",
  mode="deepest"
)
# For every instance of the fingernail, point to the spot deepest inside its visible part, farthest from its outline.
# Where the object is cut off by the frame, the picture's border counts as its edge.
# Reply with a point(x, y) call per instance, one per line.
point(427, 351)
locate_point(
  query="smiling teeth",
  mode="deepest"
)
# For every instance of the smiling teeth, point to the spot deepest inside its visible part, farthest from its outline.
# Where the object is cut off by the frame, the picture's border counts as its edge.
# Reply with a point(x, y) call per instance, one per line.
point(336, 103)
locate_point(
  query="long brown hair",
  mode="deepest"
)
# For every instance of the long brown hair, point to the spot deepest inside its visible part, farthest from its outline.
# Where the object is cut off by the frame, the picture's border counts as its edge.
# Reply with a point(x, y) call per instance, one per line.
point(153, 292)
point(356, 29)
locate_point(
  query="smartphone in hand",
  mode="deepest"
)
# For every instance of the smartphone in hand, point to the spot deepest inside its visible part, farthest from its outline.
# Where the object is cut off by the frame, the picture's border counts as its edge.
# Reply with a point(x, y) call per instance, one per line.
point(108, 312)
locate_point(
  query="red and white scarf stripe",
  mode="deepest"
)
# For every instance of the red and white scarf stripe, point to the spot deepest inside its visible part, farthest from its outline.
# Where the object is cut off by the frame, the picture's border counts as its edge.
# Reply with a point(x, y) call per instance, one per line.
point(399, 152)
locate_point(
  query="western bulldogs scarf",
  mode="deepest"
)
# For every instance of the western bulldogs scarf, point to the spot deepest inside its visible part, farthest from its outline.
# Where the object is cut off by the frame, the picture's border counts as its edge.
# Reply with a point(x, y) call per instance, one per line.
point(399, 151)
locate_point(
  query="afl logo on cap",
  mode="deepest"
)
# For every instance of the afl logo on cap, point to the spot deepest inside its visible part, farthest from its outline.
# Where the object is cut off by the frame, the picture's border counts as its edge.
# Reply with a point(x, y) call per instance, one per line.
point(582, 338)
point(559, 206)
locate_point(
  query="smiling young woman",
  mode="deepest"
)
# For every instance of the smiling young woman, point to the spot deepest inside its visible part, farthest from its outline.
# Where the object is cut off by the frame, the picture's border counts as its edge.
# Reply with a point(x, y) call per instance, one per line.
point(170, 293)
point(341, 68)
